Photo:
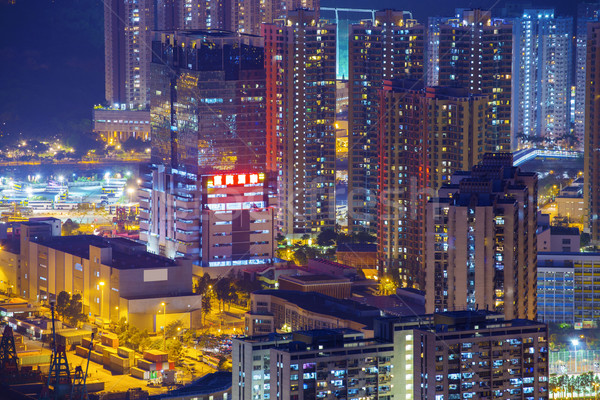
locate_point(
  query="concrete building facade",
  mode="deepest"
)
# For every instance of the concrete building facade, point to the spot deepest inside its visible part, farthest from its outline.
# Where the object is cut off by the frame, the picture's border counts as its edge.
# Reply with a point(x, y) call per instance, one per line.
point(467, 354)
point(481, 241)
point(426, 135)
point(390, 47)
point(591, 156)
point(300, 62)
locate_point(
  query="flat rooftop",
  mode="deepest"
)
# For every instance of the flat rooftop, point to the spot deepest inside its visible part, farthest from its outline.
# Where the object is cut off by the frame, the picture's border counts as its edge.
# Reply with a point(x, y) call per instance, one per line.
point(126, 254)
point(325, 305)
point(319, 278)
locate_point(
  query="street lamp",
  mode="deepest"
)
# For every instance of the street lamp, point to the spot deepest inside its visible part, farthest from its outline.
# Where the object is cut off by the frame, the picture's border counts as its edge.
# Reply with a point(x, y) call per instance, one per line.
point(575, 342)
point(130, 191)
point(101, 283)
point(164, 306)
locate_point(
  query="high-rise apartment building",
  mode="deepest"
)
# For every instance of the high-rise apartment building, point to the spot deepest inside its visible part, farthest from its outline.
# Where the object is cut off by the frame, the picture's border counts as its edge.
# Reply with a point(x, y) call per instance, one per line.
point(474, 51)
point(542, 78)
point(128, 27)
point(301, 95)
point(127, 51)
point(452, 355)
point(391, 47)
point(592, 132)
point(426, 135)
point(481, 242)
point(586, 12)
point(205, 195)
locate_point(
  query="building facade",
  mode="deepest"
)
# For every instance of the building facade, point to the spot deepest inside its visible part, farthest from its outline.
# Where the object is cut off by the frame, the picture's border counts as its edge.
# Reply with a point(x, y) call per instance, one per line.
point(117, 278)
point(570, 290)
point(542, 78)
point(468, 354)
point(481, 241)
point(287, 311)
point(116, 126)
point(127, 52)
point(591, 155)
point(474, 51)
point(426, 135)
point(586, 12)
point(301, 99)
point(390, 47)
point(205, 194)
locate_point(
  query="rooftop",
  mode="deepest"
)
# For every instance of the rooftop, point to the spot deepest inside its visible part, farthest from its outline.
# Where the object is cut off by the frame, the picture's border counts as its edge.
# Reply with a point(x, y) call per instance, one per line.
point(325, 305)
point(126, 254)
point(211, 383)
point(563, 230)
point(319, 278)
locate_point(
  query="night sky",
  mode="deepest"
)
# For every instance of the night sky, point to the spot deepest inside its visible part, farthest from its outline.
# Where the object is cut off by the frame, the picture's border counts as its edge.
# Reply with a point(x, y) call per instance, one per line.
point(52, 58)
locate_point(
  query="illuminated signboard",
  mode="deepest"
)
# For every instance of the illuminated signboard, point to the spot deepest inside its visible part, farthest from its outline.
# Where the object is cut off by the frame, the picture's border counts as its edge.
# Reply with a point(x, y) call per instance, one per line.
point(236, 179)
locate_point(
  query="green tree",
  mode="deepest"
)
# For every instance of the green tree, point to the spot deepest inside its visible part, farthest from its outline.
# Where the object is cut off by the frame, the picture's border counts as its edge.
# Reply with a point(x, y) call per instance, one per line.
point(206, 307)
point(327, 238)
point(140, 340)
point(135, 144)
point(203, 284)
point(173, 329)
point(74, 312)
point(176, 351)
point(69, 227)
point(223, 290)
point(62, 303)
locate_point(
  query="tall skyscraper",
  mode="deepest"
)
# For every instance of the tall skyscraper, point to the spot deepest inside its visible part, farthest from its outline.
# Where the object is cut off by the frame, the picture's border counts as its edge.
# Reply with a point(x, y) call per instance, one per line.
point(127, 51)
point(208, 150)
point(426, 134)
point(481, 241)
point(592, 132)
point(474, 51)
point(128, 27)
point(389, 48)
point(542, 78)
point(301, 88)
point(586, 12)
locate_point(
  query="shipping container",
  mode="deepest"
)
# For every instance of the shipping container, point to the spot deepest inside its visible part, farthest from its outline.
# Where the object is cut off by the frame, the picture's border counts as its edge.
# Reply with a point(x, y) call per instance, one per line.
point(146, 365)
point(126, 353)
point(110, 340)
point(156, 356)
point(34, 359)
point(140, 373)
point(115, 359)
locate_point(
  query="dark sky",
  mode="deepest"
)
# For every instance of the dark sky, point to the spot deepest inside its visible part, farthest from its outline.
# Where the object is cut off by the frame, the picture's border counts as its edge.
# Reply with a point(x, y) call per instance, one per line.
point(52, 57)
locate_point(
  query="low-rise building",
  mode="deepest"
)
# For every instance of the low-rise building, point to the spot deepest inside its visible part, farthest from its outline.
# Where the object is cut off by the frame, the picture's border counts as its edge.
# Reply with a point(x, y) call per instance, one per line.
point(570, 204)
point(286, 311)
point(569, 286)
point(116, 126)
point(558, 239)
point(214, 386)
point(338, 287)
point(116, 277)
point(332, 268)
point(358, 255)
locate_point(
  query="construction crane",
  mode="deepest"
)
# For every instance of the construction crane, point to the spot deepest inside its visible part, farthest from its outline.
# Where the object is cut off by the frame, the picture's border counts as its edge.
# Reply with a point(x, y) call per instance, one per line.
point(9, 362)
point(79, 389)
point(59, 377)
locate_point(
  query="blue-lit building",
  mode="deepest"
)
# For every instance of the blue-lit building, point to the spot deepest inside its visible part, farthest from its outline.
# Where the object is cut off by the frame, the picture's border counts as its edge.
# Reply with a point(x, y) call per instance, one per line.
point(542, 69)
point(568, 287)
point(344, 18)
point(452, 355)
point(555, 291)
point(204, 196)
point(586, 12)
